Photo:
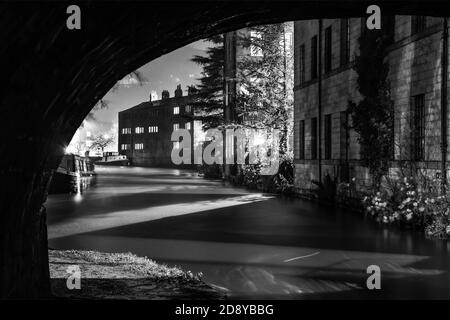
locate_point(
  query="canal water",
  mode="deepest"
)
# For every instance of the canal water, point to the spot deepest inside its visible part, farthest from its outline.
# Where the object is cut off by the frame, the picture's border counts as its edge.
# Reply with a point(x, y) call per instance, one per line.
point(248, 244)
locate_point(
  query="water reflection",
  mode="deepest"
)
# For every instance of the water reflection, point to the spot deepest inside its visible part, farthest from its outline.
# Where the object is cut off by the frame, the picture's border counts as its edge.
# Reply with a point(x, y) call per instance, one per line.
point(251, 247)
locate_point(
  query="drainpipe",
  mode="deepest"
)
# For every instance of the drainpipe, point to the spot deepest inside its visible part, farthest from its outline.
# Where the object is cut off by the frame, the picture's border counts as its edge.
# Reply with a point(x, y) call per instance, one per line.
point(229, 92)
point(444, 113)
point(319, 85)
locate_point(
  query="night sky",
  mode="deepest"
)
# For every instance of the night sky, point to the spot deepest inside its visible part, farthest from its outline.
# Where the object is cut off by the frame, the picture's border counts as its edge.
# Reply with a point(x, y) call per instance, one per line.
point(162, 73)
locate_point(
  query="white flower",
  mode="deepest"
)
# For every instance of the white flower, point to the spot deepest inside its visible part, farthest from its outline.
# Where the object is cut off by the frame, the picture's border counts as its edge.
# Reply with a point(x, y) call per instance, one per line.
point(409, 216)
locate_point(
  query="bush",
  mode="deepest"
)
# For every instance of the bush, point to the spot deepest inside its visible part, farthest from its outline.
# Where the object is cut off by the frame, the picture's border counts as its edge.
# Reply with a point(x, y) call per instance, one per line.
point(411, 202)
point(282, 182)
point(213, 171)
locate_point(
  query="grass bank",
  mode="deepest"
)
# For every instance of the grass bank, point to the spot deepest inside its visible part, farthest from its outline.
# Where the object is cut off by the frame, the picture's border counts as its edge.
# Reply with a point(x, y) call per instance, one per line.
point(123, 276)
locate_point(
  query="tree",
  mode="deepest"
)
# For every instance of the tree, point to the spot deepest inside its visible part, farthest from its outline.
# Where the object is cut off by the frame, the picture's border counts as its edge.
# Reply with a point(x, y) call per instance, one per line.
point(265, 98)
point(373, 116)
point(101, 141)
point(208, 98)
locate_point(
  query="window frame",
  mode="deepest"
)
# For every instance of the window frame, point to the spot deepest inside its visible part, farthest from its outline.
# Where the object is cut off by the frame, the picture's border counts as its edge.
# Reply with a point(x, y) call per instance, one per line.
point(345, 42)
point(327, 137)
point(328, 50)
point(313, 59)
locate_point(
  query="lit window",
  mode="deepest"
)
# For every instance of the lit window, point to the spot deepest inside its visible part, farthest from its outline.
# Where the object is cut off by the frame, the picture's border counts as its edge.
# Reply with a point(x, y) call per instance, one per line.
point(176, 110)
point(188, 125)
point(255, 48)
point(125, 147)
point(288, 39)
point(153, 129)
point(126, 130)
point(176, 126)
point(138, 146)
point(139, 130)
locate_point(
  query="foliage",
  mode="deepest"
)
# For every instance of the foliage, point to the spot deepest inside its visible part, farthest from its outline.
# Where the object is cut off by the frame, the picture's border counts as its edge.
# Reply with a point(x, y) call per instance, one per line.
point(283, 181)
point(373, 116)
point(251, 176)
point(208, 98)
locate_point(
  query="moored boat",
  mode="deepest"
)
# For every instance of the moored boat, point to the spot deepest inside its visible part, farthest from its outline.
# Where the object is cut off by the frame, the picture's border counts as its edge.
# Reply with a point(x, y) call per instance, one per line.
point(73, 174)
point(113, 159)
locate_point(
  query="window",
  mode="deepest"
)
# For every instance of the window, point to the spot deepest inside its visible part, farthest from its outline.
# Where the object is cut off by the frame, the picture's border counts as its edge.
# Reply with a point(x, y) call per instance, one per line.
point(125, 147)
point(345, 42)
point(418, 127)
point(314, 57)
point(301, 130)
point(314, 138)
point(255, 48)
point(302, 64)
point(187, 108)
point(343, 134)
point(153, 129)
point(176, 110)
point(327, 136)
point(328, 54)
point(176, 126)
point(188, 125)
point(138, 146)
point(418, 24)
point(126, 130)
point(139, 130)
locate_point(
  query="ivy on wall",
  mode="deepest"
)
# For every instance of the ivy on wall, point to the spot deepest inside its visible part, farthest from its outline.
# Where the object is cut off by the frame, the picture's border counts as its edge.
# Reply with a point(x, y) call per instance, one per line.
point(373, 116)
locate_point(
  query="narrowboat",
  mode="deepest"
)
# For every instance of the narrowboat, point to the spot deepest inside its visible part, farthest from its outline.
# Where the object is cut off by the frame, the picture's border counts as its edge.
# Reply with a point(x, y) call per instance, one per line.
point(73, 175)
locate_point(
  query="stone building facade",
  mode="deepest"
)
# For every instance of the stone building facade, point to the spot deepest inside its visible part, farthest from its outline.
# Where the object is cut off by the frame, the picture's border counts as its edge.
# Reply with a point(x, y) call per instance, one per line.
point(145, 130)
point(324, 146)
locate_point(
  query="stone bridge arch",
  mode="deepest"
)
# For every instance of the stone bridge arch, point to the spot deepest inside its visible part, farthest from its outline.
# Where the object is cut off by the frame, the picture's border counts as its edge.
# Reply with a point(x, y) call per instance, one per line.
point(52, 77)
